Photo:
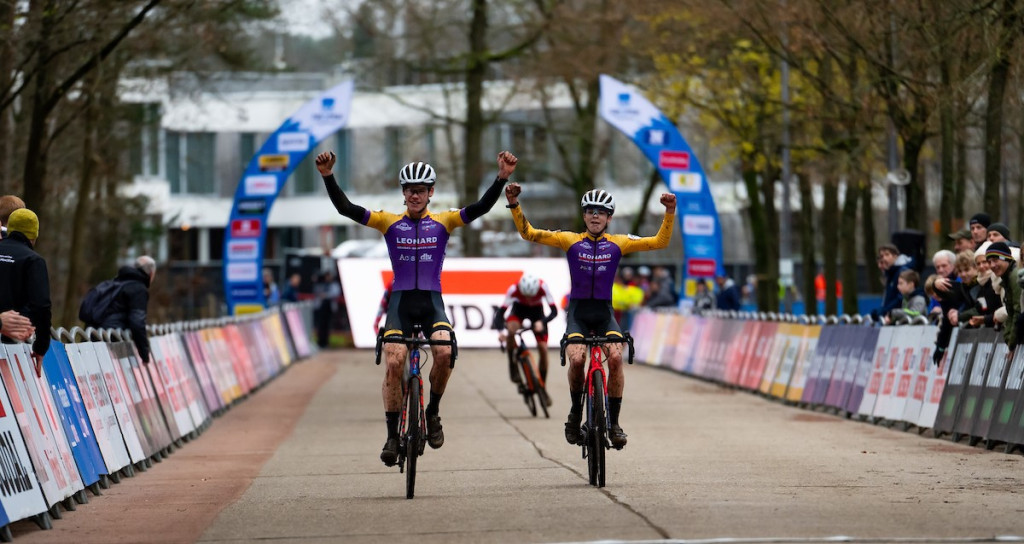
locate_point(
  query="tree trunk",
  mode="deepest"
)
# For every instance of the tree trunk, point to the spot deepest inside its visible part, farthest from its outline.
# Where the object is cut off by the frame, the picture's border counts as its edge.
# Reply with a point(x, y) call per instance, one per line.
point(998, 77)
point(6, 114)
point(83, 208)
point(948, 193)
point(759, 231)
point(848, 245)
point(915, 195)
point(472, 160)
point(960, 172)
point(869, 249)
point(807, 245)
point(34, 175)
point(583, 179)
point(830, 237)
point(771, 217)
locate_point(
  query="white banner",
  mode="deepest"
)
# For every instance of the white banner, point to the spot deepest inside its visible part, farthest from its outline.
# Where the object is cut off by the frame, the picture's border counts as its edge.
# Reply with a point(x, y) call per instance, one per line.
point(471, 289)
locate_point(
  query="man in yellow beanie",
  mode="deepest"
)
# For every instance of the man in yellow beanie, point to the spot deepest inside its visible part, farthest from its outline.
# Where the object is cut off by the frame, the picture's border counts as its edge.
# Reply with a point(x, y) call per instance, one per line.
point(24, 280)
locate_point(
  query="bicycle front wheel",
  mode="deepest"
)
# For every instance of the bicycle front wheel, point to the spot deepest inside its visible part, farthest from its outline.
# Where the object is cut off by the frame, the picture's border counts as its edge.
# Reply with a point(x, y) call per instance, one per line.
point(596, 431)
point(413, 436)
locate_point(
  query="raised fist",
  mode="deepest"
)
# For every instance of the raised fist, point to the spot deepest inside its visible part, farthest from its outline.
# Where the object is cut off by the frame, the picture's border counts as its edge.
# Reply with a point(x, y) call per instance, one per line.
point(506, 164)
point(325, 162)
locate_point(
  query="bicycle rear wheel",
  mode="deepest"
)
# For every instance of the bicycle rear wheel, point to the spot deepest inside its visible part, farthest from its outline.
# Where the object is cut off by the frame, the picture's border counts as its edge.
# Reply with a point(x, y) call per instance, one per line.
point(596, 431)
point(412, 436)
point(529, 382)
point(536, 388)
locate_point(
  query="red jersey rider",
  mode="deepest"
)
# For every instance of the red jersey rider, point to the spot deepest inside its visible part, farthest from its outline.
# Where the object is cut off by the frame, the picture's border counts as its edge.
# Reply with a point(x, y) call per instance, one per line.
point(527, 298)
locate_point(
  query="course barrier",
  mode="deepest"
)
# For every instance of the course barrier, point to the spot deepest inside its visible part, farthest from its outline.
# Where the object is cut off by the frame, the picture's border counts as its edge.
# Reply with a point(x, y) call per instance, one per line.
point(883, 375)
point(95, 413)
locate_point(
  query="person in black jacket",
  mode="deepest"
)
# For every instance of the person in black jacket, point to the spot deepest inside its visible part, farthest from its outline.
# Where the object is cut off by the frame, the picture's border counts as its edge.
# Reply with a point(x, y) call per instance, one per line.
point(24, 280)
point(129, 308)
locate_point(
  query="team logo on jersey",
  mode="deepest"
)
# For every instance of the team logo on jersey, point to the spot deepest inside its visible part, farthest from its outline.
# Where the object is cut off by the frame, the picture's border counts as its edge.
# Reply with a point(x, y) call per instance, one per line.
point(403, 226)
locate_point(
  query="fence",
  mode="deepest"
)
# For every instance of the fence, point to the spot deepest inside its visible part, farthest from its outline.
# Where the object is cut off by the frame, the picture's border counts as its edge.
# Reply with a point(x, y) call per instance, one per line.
point(96, 414)
point(883, 375)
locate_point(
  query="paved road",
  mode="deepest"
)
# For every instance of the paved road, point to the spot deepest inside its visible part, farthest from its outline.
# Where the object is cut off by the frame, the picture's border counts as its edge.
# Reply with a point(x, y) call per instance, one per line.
point(297, 462)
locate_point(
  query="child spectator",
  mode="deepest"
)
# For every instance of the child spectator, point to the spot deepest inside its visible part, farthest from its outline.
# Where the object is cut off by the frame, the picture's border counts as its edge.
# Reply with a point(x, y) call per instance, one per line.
point(914, 301)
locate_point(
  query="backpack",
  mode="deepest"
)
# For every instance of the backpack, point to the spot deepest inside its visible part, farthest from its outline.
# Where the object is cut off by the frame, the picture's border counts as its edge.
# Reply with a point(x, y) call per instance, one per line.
point(96, 303)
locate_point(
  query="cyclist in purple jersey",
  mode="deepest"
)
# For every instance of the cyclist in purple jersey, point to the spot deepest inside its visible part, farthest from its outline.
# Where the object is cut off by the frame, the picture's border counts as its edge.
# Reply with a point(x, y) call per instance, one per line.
point(416, 241)
point(593, 258)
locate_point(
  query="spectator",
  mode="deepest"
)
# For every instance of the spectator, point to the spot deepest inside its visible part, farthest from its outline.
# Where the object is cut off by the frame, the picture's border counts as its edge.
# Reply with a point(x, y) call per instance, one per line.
point(1003, 265)
point(702, 299)
point(8, 203)
point(24, 280)
point(891, 263)
point(998, 232)
point(643, 281)
point(987, 300)
point(130, 307)
point(914, 301)
point(962, 241)
point(728, 294)
point(979, 229)
point(663, 289)
point(270, 291)
point(329, 291)
point(291, 291)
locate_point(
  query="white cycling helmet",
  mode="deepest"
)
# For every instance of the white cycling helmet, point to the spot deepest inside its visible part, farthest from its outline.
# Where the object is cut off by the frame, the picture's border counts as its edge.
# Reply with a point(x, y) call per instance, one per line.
point(600, 199)
point(529, 284)
point(417, 173)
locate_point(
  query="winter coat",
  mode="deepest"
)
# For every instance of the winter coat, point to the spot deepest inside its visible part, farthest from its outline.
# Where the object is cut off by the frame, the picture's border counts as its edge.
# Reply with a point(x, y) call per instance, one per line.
point(129, 308)
point(25, 287)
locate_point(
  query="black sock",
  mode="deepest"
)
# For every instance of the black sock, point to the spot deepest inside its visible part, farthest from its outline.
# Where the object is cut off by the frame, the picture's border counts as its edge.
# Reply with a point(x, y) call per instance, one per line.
point(577, 402)
point(432, 405)
point(614, 405)
point(392, 420)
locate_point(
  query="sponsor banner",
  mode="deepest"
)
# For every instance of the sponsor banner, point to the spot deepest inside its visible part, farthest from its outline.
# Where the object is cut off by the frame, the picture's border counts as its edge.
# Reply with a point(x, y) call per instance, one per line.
point(935, 379)
point(172, 386)
point(956, 380)
point(993, 386)
point(262, 181)
point(299, 333)
point(1004, 425)
point(906, 367)
point(799, 341)
point(17, 370)
point(204, 372)
point(162, 400)
point(133, 398)
point(889, 374)
point(774, 360)
point(834, 387)
point(747, 340)
point(970, 402)
point(112, 380)
point(243, 250)
point(194, 391)
point(22, 496)
point(863, 370)
point(71, 412)
point(150, 405)
point(97, 405)
point(873, 380)
point(755, 367)
point(657, 136)
point(292, 142)
point(260, 185)
point(851, 365)
point(471, 289)
point(815, 335)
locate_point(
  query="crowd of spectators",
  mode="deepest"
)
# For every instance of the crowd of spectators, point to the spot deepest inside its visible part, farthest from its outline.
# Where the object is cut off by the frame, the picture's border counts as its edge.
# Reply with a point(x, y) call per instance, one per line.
point(977, 283)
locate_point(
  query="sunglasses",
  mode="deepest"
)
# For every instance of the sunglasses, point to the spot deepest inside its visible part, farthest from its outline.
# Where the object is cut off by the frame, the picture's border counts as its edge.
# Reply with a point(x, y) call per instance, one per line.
point(596, 212)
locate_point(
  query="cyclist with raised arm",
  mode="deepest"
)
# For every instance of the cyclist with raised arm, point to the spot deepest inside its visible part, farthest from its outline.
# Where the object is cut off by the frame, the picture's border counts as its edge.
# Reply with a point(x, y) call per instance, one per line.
point(527, 298)
point(416, 240)
point(593, 257)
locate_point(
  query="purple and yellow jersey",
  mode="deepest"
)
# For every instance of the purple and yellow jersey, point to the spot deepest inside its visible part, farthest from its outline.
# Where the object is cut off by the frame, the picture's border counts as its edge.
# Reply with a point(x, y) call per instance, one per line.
point(416, 248)
point(593, 262)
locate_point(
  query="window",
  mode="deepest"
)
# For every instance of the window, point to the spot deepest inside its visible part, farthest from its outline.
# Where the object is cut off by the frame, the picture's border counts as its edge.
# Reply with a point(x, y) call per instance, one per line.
point(304, 179)
point(393, 142)
point(246, 148)
point(173, 153)
point(199, 165)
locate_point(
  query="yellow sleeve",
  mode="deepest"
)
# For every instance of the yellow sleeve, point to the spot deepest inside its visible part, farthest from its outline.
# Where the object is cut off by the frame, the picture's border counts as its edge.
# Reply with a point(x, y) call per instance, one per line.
point(450, 219)
point(382, 221)
point(631, 244)
point(559, 239)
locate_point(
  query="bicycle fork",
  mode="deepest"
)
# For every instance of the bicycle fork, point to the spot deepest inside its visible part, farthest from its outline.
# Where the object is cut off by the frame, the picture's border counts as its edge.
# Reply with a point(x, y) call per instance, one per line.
point(414, 374)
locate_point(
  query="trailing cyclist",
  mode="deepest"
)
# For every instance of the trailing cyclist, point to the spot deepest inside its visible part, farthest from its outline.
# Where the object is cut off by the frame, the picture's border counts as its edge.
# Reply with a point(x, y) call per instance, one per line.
point(416, 240)
point(527, 298)
point(593, 257)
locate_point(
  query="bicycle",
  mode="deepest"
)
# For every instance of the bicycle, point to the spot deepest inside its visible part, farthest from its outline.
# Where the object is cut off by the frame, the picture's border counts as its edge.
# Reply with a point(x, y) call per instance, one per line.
point(596, 425)
point(531, 387)
point(412, 430)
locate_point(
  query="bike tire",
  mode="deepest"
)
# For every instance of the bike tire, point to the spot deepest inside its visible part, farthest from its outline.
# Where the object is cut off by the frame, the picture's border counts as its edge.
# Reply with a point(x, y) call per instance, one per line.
point(598, 430)
point(412, 437)
point(536, 388)
point(529, 383)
